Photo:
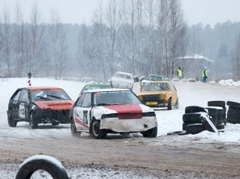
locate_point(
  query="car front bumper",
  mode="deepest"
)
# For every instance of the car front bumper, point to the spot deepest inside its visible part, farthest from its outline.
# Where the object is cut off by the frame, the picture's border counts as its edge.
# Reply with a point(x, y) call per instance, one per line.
point(128, 125)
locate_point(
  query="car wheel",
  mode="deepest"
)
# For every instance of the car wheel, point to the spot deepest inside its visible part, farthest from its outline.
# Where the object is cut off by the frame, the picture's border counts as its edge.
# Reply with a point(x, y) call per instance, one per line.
point(151, 132)
point(74, 131)
point(41, 162)
point(169, 107)
point(96, 132)
point(32, 122)
point(11, 121)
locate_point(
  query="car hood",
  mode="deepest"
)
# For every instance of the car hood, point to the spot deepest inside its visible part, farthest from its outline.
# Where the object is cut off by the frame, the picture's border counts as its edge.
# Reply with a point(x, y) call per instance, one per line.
point(142, 93)
point(125, 110)
point(55, 105)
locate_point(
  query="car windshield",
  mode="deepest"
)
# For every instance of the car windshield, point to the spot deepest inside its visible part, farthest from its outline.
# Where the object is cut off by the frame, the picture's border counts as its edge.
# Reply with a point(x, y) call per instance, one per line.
point(154, 87)
point(49, 95)
point(115, 98)
point(154, 78)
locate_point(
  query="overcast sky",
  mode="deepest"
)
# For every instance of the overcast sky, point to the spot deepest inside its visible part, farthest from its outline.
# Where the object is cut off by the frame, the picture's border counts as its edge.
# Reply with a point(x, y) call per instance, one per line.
point(80, 11)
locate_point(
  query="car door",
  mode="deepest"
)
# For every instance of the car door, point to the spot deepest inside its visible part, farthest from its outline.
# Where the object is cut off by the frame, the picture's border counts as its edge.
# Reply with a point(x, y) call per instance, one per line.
point(19, 104)
point(174, 93)
point(24, 105)
point(81, 113)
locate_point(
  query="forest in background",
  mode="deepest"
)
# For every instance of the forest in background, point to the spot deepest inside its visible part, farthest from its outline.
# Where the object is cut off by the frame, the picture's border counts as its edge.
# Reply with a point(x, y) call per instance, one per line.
point(136, 36)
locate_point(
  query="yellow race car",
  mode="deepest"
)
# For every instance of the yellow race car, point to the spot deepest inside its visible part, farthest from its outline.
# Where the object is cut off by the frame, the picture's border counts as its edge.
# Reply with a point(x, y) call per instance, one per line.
point(159, 94)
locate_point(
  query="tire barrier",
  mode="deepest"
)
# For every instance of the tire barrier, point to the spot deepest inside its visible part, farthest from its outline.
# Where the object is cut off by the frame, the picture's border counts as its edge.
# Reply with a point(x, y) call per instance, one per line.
point(41, 162)
point(194, 119)
point(233, 114)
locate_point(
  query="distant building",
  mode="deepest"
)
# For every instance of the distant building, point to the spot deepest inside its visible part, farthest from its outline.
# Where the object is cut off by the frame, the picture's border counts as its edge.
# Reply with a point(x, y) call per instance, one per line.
point(193, 65)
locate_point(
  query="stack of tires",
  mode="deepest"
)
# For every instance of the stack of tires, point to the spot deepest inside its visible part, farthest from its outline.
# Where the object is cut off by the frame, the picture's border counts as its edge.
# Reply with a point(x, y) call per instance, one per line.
point(217, 111)
point(194, 118)
point(233, 114)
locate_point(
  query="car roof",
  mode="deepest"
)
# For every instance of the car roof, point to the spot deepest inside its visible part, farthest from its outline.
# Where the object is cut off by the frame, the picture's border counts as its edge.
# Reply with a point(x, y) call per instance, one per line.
point(97, 83)
point(34, 88)
point(107, 90)
point(147, 82)
point(125, 73)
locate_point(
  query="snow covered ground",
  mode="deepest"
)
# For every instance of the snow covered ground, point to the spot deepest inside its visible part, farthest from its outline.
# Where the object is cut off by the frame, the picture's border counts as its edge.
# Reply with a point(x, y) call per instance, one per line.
point(168, 121)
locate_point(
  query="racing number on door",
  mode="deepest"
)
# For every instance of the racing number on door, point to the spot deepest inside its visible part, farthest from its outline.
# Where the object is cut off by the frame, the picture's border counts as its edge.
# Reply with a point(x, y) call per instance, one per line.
point(85, 118)
point(21, 110)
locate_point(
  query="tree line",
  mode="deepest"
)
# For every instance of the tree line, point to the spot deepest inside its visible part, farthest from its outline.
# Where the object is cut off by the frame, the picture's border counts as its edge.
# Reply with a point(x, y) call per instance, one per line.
point(136, 36)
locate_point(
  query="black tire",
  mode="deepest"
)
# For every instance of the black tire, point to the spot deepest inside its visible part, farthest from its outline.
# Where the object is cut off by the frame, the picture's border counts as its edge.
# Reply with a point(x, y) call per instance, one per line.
point(233, 104)
point(194, 128)
point(187, 123)
point(217, 103)
point(177, 133)
point(95, 130)
point(233, 120)
point(233, 112)
point(74, 131)
point(192, 117)
point(32, 121)
point(151, 133)
point(220, 126)
point(11, 121)
point(169, 107)
point(41, 162)
point(55, 123)
point(192, 109)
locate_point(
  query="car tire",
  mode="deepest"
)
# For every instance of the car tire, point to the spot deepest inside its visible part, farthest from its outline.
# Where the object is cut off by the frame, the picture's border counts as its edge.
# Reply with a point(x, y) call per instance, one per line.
point(192, 109)
point(11, 121)
point(169, 107)
point(41, 162)
point(74, 131)
point(95, 130)
point(150, 133)
point(32, 121)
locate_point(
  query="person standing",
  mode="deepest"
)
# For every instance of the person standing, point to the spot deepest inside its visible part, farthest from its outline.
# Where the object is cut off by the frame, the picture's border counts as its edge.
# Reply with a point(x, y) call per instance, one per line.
point(204, 75)
point(179, 73)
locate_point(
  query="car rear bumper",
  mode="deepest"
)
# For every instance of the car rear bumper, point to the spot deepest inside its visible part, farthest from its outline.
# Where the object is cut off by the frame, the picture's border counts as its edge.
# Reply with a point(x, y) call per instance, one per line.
point(128, 125)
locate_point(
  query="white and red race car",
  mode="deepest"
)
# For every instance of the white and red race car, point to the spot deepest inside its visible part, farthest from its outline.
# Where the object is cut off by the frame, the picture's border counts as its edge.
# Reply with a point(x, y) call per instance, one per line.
point(103, 111)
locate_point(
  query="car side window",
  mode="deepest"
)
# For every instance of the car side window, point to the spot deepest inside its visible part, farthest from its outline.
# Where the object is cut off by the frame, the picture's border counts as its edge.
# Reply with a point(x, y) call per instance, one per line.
point(17, 95)
point(24, 96)
point(87, 100)
point(80, 100)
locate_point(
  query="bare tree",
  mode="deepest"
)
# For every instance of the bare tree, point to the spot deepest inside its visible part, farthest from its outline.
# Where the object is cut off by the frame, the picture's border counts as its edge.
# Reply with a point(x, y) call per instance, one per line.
point(236, 59)
point(113, 23)
point(57, 48)
point(19, 39)
point(7, 42)
point(37, 42)
point(171, 27)
point(99, 50)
